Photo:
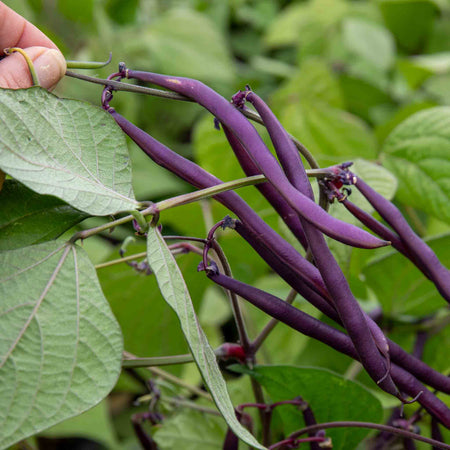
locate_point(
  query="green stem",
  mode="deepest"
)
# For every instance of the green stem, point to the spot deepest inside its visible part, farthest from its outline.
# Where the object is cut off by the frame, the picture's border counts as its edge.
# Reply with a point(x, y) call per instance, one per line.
point(88, 64)
point(34, 75)
point(172, 378)
point(157, 361)
point(209, 192)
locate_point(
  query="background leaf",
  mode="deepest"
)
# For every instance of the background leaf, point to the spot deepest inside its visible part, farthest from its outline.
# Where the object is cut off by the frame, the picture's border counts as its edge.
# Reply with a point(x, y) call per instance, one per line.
point(408, 292)
point(176, 294)
point(65, 148)
point(28, 218)
point(330, 396)
point(417, 152)
point(61, 348)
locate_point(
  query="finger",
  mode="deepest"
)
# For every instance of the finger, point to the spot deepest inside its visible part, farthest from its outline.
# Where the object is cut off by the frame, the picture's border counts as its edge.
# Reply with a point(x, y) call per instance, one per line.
point(49, 64)
point(15, 31)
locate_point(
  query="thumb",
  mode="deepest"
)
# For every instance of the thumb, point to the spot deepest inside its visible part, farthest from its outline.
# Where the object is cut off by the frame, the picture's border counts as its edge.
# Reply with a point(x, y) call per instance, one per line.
point(49, 64)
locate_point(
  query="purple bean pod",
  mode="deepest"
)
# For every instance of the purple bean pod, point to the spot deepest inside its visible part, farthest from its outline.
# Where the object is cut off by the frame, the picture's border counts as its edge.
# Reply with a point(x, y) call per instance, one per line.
point(414, 365)
point(283, 255)
point(309, 419)
point(420, 251)
point(225, 112)
point(436, 432)
point(378, 228)
point(367, 337)
point(316, 329)
point(289, 216)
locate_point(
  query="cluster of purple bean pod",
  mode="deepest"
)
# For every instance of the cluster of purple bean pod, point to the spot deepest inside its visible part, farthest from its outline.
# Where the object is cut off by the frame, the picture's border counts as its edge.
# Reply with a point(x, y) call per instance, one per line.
point(319, 278)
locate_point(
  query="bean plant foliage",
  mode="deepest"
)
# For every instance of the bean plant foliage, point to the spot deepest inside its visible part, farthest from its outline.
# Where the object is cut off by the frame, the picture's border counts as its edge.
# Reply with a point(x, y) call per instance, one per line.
point(201, 268)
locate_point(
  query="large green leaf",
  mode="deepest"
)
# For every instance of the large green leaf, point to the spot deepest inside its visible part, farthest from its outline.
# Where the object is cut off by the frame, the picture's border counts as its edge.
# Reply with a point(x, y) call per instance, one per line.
point(65, 148)
point(330, 396)
point(176, 294)
point(408, 292)
point(418, 153)
point(61, 347)
point(27, 218)
point(191, 430)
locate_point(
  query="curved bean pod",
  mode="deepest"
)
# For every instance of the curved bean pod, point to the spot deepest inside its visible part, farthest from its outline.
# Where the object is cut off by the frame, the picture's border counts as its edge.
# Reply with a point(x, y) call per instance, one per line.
point(366, 336)
point(281, 251)
point(309, 326)
point(250, 139)
point(414, 244)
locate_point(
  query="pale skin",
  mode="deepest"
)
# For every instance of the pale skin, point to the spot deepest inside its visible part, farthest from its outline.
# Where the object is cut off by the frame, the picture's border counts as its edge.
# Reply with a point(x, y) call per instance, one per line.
point(48, 61)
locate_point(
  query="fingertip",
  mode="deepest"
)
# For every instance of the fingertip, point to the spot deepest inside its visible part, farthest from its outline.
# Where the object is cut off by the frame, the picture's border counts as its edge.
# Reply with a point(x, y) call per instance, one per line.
point(50, 67)
point(49, 64)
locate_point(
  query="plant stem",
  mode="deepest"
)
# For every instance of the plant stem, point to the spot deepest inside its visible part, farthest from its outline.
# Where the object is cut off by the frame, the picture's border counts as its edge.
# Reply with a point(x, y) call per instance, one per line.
point(209, 192)
point(256, 344)
point(121, 260)
point(237, 312)
point(172, 378)
point(88, 64)
point(374, 426)
point(191, 405)
point(157, 361)
point(33, 73)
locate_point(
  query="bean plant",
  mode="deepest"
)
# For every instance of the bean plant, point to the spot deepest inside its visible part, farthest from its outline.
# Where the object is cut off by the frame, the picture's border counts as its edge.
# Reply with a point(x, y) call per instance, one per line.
point(341, 344)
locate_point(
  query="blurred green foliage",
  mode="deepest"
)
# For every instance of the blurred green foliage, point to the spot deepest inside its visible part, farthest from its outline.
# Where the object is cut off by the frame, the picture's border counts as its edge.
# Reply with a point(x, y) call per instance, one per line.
point(340, 74)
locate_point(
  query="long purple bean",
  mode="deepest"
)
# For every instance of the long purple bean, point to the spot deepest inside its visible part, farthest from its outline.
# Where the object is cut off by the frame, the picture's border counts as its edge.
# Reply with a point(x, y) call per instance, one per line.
point(250, 139)
point(281, 251)
point(289, 216)
point(368, 339)
point(316, 329)
point(402, 358)
point(414, 244)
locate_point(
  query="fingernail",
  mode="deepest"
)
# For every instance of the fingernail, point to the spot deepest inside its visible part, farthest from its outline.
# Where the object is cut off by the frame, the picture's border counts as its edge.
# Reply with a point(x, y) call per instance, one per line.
point(50, 67)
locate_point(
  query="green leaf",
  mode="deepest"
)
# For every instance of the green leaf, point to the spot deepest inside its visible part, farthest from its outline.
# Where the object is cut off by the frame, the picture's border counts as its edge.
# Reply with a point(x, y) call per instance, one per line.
point(61, 347)
point(417, 152)
point(27, 218)
point(330, 396)
point(191, 430)
point(370, 42)
point(332, 135)
point(65, 148)
point(409, 20)
point(408, 292)
point(176, 294)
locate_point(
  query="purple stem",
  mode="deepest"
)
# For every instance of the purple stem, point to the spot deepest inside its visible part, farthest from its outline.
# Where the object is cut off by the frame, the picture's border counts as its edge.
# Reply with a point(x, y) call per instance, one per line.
point(366, 336)
point(413, 243)
point(225, 112)
point(316, 329)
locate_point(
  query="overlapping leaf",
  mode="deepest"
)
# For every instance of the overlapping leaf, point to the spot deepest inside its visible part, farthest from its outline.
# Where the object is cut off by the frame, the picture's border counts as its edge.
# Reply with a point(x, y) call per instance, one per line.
point(60, 345)
point(176, 294)
point(65, 148)
point(27, 218)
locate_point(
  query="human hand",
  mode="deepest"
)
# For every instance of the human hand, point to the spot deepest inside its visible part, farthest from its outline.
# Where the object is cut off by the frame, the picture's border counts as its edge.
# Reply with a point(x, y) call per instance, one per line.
point(48, 61)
